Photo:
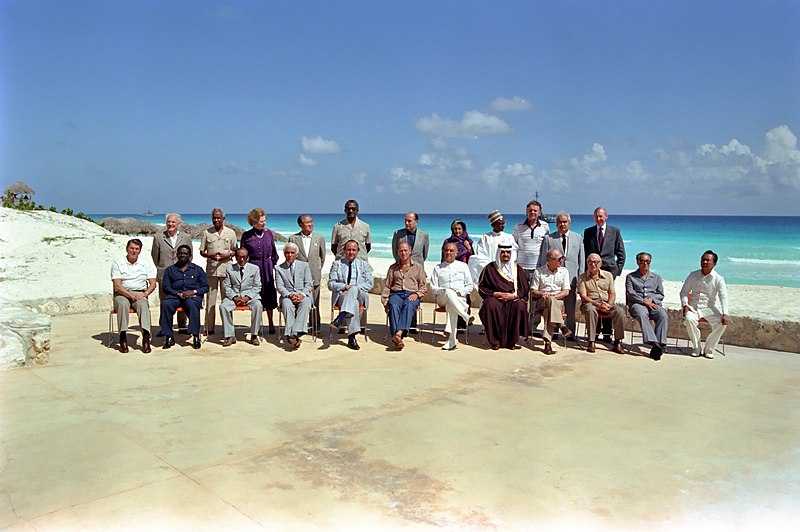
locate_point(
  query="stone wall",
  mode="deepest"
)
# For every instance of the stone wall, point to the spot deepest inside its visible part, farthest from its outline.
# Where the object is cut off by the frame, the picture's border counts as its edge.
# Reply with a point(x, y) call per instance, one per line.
point(24, 337)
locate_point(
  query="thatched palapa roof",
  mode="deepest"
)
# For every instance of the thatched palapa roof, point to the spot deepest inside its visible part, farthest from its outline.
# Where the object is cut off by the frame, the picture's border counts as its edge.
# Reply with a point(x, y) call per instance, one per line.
point(18, 187)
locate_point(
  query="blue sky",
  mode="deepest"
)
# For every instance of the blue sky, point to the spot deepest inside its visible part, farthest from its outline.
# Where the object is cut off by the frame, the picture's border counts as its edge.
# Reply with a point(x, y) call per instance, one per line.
point(439, 106)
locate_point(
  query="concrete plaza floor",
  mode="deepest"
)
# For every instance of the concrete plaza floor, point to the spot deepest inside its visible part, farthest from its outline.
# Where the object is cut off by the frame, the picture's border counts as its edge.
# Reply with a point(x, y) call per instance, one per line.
point(258, 438)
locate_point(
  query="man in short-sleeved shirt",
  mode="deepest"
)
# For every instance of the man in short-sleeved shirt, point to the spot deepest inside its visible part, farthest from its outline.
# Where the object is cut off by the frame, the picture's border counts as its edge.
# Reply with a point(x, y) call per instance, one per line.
point(218, 246)
point(134, 280)
point(351, 228)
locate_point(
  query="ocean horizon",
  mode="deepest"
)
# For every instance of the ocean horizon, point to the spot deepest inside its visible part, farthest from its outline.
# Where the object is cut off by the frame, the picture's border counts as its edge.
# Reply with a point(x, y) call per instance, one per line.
point(752, 250)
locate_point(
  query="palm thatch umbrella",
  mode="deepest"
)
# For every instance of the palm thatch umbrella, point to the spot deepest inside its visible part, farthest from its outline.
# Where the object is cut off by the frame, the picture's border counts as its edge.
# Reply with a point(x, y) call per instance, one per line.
point(19, 188)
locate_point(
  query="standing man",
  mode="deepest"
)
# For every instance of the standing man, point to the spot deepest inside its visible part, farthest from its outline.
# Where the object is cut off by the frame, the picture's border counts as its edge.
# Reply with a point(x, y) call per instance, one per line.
point(310, 249)
point(699, 296)
point(606, 241)
point(570, 244)
point(218, 246)
point(596, 288)
point(351, 228)
point(350, 281)
point(486, 247)
point(644, 294)
point(134, 280)
point(416, 238)
point(165, 254)
point(529, 235)
point(451, 283)
point(242, 288)
point(549, 289)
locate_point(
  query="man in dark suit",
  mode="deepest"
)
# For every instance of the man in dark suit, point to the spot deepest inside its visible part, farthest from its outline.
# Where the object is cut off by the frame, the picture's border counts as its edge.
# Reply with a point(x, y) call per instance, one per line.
point(606, 241)
point(574, 260)
point(242, 287)
point(293, 281)
point(310, 249)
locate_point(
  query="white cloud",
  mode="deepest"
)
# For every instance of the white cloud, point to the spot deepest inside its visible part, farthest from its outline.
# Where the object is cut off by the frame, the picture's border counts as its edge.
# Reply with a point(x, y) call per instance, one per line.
point(519, 170)
point(320, 145)
point(517, 103)
point(306, 161)
point(782, 157)
point(360, 178)
point(491, 174)
point(472, 124)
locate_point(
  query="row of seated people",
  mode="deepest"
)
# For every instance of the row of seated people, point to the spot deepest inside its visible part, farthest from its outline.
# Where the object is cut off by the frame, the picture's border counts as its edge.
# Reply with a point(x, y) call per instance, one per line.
point(503, 287)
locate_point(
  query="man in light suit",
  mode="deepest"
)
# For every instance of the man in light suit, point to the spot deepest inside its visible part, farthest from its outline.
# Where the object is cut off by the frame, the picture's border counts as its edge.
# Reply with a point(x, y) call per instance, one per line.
point(164, 254)
point(350, 281)
point(294, 282)
point(242, 287)
point(606, 241)
point(574, 260)
point(310, 249)
point(417, 239)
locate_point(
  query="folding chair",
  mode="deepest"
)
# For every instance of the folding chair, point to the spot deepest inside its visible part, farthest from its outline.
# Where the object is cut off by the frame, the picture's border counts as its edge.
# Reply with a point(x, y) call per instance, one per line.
point(364, 325)
point(418, 313)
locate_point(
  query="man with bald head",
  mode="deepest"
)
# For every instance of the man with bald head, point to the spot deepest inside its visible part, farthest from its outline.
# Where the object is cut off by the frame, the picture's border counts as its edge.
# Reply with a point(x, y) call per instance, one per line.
point(218, 246)
point(417, 239)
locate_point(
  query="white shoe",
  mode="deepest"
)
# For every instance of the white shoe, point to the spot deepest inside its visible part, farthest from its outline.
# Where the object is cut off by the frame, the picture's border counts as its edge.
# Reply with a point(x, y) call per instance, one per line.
point(449, 346)
point(709, 355)
point(695, 352)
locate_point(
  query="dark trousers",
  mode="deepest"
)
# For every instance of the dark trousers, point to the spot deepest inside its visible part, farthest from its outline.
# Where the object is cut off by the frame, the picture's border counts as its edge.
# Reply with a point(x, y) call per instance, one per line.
point(191, 307)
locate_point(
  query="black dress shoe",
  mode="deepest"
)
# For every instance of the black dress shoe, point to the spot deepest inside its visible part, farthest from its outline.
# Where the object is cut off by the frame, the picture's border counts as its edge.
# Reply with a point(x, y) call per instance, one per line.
point(656, 352)
point(272, 330)
point(352, 343)
point(146, 344)
point(123, 346)
point(169, 342)
point(196, 341)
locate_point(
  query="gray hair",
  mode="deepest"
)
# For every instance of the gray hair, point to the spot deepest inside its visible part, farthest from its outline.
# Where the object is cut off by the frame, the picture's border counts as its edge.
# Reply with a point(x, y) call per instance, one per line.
point(175, 214)
point(217, 209)
point(564, 214)
point(291, 246)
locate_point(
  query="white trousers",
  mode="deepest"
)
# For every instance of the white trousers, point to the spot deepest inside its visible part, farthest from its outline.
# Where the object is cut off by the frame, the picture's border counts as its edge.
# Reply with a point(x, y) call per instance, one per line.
point(717, 328)
point(455, 306)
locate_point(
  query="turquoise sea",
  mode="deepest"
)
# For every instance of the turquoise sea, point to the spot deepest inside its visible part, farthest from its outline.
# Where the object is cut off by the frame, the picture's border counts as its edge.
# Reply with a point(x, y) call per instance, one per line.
point(752, 250)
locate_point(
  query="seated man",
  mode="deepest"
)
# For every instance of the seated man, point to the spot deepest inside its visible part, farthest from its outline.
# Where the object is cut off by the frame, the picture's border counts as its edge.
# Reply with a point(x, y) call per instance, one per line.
point(242, 286)
point(402, 289)
point(699, 296)
point(185, 284)
point(596, 288)
point(294, 283)
point(350, 281)
point(644, 294)
point(134, 280)
point(504, 289)
point(451, 283)
point(550, 288)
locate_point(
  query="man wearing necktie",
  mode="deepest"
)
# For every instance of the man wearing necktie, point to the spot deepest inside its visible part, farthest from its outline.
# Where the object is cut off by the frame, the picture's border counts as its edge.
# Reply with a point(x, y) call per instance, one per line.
point(241, 287)
point(294, 284)
point(606, 241)
point(570, 244)
point(350, 281)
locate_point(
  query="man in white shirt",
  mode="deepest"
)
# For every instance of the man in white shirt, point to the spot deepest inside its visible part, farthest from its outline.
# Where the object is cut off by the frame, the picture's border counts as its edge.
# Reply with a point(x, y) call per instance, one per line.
point(704, 295)
point(550, 287)
point(134, 280)
point(486, 247)
point(451, 282)
point(529, 235)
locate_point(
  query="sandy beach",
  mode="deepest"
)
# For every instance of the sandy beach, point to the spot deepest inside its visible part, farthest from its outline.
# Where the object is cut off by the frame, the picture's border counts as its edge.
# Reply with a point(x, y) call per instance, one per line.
point(254, 438)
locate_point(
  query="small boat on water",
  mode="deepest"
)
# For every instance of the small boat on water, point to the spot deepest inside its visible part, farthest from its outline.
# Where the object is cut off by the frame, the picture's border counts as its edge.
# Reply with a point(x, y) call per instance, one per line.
point(148, 212)
point(549, 218)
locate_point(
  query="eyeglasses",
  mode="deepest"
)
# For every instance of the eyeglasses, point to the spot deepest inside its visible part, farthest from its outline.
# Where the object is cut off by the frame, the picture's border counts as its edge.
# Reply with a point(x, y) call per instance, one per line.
point(643, 261)
point(595, 261)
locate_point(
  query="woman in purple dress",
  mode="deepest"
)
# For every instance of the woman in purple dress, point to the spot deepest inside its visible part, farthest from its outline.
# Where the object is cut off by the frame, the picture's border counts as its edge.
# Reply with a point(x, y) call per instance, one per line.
point(261, 246)
point(461, 239)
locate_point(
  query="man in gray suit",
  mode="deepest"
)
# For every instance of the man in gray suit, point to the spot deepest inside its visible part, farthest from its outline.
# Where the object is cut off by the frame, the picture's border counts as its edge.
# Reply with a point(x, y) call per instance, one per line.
point(570, 244)
point(644, 294)
point(310, 249)
point(164, 253)
point(350, 281)
point(294, 282)
point(417, 239)
point(242, 287)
